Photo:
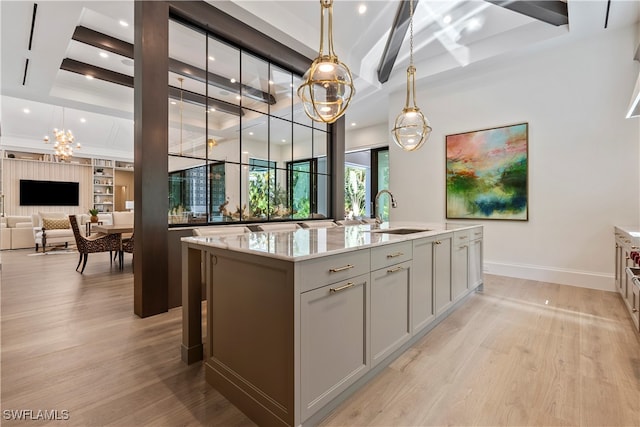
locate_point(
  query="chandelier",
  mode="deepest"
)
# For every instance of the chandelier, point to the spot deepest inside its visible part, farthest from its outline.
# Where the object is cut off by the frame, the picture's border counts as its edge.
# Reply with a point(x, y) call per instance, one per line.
point(63, 146)
point(411, 128)
point(328, 86)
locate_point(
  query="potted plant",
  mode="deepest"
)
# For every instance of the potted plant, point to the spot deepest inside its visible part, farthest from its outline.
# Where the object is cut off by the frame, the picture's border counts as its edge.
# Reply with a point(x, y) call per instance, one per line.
point(94, 215)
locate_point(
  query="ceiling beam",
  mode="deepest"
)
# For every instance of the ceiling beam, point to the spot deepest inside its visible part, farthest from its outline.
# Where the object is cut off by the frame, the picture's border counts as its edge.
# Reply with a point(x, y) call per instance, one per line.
point(122, 48)
point(554, 12)
point(394, 42)
point(99, 73)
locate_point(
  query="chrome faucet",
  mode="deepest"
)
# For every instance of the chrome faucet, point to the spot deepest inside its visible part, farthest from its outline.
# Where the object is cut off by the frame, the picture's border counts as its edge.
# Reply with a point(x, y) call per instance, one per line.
point(375, 205)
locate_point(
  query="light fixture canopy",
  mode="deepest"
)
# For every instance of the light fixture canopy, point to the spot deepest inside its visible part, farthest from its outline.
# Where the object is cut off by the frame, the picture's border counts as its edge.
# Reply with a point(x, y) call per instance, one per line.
point(328, 86)
point(411, 128)
point(63, 145)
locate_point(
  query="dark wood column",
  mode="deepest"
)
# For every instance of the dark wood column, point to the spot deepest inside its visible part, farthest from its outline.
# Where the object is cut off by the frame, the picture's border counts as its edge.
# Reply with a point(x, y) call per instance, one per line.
point(151, 55)
point(336, 156)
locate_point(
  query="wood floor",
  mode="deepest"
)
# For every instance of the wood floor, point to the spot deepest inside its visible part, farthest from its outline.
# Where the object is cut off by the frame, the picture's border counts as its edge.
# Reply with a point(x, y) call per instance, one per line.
point(519, 353)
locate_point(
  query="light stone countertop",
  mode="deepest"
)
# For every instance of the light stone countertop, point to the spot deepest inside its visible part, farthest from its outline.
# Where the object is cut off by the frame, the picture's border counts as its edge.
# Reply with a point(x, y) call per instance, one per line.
point(303, 244)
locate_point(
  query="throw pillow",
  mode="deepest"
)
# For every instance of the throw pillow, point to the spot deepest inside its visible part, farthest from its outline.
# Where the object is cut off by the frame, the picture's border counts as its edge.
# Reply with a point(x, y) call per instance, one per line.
point(55, 223)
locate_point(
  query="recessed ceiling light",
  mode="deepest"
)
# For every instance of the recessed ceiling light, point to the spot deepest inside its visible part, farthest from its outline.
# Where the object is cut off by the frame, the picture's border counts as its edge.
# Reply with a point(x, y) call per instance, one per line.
point(473, 24)
point(291, 84)
point(245, 152)
point(89, 77)
point(238, 97)
point(250, 133)
point(173, 102)
point(211, 58)
point(232, 80)
point(284, 140)
point(26, 110)
point(447, 19)
point(362, 9)
point(270, 82)
point(353, 123)
point(104, 54)
point(212, 109)
point(124, 23)
point(83, 120)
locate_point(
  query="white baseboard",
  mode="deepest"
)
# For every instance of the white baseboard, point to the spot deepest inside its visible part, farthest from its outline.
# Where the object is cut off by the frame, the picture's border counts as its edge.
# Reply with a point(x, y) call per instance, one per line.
point(583, 279)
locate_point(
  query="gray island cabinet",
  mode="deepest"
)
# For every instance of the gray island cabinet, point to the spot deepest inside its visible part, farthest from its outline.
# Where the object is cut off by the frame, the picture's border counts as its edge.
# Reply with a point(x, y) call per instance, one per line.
point(298, 320)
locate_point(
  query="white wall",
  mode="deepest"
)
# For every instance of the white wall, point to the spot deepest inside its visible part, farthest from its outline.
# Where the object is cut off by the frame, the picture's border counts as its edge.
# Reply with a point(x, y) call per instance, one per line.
point(583, 155)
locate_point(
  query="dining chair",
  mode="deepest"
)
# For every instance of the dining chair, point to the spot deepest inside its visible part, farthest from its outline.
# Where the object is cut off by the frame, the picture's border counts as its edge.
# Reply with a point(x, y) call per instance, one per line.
point(93, 244)
point(127, 246)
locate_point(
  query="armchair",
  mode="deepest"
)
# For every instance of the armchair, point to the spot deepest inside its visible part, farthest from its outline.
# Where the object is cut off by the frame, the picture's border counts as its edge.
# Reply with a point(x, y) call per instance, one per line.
point(92, 244)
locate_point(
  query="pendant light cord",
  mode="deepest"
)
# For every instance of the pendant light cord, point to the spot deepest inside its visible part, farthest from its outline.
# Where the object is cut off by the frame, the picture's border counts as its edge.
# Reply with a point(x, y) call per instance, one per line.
point(411, 32)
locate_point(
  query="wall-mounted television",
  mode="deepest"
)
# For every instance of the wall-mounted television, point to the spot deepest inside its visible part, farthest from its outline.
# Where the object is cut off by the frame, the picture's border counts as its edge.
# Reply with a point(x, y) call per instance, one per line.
point(49, 193)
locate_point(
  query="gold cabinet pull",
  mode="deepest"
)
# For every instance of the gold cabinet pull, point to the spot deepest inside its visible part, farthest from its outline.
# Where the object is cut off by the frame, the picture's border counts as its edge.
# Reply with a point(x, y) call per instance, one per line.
point(478, 234)
point(634, 247)
point(341, 288)
point(335, 270)
point(462, 237)
point(393, 270)
point(397, 254)
point(437, 242)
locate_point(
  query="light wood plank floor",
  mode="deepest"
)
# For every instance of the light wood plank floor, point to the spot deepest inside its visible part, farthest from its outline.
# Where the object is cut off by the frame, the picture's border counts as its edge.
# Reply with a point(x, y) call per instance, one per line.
point(519, 353)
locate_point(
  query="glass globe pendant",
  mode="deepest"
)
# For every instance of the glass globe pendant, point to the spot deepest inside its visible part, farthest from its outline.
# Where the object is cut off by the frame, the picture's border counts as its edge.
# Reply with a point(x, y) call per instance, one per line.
point(411, 128)
point(328, 86)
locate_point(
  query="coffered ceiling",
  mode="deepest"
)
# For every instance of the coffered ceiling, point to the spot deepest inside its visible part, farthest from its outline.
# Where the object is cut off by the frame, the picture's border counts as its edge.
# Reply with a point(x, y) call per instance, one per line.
point(450, 37)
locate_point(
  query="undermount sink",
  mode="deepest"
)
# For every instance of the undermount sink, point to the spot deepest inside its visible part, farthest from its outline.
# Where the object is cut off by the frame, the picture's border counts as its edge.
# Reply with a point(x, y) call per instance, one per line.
point(400, 230)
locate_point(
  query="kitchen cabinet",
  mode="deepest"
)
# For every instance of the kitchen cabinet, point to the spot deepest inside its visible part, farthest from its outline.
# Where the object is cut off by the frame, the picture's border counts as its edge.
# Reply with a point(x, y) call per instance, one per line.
point(422, 310)
point(475, 258)
point(293, 329)
point(390, 321)
point(627, 242)
point(459, 265)
point(390, 303)
point(334, 347)
point(442, 272)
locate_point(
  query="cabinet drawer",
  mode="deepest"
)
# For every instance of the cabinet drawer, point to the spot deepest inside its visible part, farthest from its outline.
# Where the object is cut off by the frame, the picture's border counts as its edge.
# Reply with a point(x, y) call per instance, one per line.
point(318, 272)
point(384, 256)
point(475, 233)
point(460, 237)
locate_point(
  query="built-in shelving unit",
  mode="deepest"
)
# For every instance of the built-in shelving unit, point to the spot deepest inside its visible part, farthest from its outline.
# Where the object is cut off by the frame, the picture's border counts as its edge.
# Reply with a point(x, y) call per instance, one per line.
point(103, 176)
point(98, 178)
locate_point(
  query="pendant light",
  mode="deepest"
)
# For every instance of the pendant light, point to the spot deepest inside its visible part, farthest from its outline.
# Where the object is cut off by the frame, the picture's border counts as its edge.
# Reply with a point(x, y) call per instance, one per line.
point(63, 145)
point(411, 128)
point(328, 85)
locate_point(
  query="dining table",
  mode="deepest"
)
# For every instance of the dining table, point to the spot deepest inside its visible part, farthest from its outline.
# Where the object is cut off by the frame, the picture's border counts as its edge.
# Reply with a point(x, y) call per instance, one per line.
point(118, 229)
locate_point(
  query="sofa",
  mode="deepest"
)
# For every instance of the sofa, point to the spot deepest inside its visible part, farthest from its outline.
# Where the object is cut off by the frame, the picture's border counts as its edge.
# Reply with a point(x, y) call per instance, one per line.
point(16, 232)
point(53, 228)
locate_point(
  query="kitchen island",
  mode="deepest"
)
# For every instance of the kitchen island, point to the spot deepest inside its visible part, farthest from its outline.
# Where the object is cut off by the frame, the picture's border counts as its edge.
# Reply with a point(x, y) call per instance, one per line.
point(298, 320)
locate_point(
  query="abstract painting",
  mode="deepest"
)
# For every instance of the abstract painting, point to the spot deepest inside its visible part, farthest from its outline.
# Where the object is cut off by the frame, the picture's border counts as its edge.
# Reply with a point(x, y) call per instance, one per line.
point(487, 173)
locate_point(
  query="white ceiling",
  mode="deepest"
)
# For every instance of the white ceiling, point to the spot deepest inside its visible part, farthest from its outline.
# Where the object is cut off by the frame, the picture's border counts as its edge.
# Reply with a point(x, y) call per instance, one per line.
point(442, 52)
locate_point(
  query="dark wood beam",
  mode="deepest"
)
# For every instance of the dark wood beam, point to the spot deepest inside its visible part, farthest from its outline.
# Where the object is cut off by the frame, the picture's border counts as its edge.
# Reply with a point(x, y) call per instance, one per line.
point(122, 79)
point(554, 12)
point(198, 99)
point(394, 42)
point(150, 155)
point(100, 73)
point(102, 41)
point(202, 14)
point(119, 47)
